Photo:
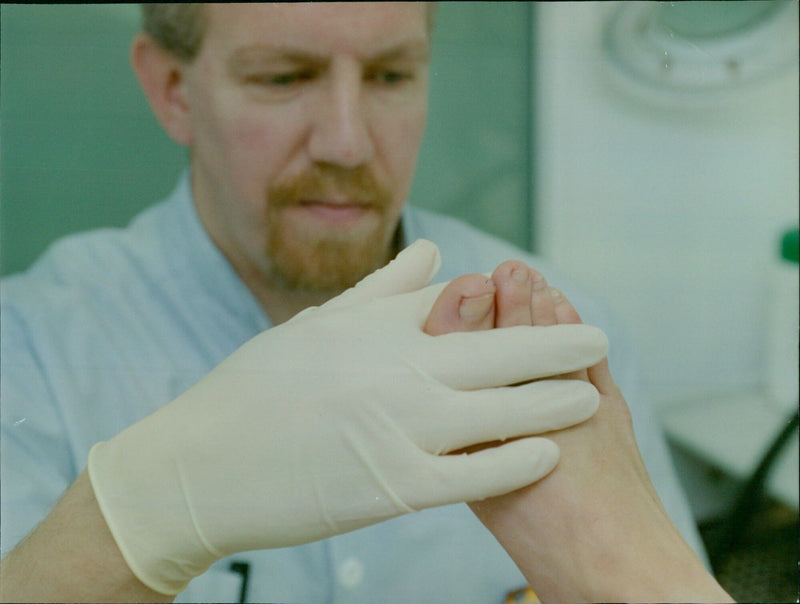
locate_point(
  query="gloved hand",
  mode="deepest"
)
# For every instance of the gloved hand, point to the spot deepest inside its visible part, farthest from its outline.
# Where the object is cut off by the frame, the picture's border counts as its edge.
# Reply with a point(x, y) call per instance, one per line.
point(335, 420)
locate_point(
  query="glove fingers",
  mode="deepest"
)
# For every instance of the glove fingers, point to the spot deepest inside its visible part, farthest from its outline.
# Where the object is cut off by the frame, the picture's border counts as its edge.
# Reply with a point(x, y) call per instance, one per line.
point(511, 355)
point(412, 269)
point(490, 472)
point(483, 416)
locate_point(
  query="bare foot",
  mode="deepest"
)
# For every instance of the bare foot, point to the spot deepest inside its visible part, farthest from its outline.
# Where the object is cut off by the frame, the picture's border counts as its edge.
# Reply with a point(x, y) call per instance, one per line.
point(594, 529)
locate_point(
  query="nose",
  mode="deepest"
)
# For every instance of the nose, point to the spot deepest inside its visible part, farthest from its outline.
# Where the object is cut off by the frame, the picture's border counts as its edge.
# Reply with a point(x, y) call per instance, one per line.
point(340, 125)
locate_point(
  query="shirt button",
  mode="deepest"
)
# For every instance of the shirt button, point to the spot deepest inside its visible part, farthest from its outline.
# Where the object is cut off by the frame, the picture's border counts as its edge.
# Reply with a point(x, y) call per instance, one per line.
point(351, 573)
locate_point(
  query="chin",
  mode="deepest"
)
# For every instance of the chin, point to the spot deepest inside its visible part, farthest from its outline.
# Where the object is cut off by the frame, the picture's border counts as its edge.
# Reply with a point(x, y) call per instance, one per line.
point(327, 264)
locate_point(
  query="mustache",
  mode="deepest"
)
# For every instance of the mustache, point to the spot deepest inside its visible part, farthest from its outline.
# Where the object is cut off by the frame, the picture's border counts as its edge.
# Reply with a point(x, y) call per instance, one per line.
point(333, 183)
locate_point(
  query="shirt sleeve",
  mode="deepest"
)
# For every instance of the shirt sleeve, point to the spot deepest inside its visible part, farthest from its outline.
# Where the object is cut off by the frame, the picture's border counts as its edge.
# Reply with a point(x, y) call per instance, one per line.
point(35, 462)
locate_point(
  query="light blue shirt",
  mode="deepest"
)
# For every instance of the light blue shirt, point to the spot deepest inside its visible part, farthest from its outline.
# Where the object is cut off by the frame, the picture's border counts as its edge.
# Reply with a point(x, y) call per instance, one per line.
point(108, 326)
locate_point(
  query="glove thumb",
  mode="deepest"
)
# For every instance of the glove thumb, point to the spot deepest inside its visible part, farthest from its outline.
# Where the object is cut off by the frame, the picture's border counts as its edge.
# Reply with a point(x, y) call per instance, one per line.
point(490, 472)
point(412, 269)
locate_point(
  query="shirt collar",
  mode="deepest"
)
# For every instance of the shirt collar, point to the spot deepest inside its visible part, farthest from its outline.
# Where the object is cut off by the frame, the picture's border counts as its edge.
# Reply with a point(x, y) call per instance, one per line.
point(201, 260)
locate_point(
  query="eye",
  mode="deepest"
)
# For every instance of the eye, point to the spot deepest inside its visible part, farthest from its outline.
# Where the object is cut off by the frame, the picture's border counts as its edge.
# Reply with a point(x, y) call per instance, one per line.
point(281, 80)
point(390, 76)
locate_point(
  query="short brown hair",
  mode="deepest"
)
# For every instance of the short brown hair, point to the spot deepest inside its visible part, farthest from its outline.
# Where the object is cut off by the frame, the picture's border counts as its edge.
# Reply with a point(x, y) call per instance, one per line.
point(177, 27)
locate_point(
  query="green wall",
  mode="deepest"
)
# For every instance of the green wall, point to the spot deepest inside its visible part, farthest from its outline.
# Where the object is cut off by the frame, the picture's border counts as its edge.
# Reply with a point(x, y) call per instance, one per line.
point(79, 147)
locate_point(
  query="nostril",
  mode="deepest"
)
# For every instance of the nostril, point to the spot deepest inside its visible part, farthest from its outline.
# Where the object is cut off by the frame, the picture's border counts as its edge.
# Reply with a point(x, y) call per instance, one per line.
point(341, 134)
point(344, 143)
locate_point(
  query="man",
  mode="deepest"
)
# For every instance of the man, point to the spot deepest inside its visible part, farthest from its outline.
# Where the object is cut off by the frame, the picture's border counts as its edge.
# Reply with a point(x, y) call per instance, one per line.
point(303, 124)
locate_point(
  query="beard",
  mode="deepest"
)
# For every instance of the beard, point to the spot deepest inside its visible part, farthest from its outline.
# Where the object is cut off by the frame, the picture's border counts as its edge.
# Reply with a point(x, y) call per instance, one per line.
point(311, 256)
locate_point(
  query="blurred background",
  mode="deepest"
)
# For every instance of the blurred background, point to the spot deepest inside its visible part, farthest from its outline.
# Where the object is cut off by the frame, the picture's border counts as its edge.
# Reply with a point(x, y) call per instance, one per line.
point(648, 149)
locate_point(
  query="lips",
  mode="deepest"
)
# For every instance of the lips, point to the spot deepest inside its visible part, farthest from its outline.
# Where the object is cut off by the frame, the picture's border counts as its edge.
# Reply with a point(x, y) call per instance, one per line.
point(334, 212)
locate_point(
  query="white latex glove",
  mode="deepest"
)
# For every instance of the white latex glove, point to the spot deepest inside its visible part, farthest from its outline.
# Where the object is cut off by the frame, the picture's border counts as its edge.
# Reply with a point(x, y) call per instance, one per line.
point(335, 420)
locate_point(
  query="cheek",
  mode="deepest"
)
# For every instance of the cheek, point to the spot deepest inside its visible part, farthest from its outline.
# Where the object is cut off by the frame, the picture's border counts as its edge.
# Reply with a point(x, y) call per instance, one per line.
point(235, 133)
point(401, 144)
point(250, 131)
point(251, 141)
point(253, 148)
point(266, 144)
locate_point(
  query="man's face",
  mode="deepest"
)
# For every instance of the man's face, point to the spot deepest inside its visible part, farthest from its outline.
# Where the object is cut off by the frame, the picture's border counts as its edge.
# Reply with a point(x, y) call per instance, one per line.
point(306, 120)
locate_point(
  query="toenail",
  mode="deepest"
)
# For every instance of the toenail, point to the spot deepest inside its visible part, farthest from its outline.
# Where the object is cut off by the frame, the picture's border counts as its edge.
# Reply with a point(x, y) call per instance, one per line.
point(475, 309)
point(539, 282)
point(557, 296)
point(520, 275)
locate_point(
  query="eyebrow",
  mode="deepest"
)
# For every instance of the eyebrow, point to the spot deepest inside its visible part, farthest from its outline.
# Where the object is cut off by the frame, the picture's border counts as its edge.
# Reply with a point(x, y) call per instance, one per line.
point(418, 50)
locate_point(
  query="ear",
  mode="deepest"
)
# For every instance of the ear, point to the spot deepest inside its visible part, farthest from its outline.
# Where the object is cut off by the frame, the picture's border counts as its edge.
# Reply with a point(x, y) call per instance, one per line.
point(162, 78)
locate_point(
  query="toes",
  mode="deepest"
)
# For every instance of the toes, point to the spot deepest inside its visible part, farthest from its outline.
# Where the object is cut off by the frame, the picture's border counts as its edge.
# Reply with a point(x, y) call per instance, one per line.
point(466, 304)
point(543, 310)
point(599, 375)
point(513, 282)
point(564, 311)
point(515, 295)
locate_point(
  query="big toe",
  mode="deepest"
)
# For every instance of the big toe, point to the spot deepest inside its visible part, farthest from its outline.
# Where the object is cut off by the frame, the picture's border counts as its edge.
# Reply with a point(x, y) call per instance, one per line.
point(514, 286)
point(467, 303)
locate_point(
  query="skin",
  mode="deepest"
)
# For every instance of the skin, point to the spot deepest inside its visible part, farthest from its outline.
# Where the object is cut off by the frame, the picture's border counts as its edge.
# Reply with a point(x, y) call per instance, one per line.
point(615, 540)
point(72, 557)
point(278, 91)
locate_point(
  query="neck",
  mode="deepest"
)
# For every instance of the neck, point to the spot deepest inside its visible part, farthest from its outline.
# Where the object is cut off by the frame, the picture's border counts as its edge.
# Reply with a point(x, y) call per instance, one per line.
point(281, 303)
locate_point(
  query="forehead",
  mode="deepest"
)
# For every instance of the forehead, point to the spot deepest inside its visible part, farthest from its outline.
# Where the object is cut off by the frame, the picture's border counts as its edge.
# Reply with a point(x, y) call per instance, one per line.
point(359, 28)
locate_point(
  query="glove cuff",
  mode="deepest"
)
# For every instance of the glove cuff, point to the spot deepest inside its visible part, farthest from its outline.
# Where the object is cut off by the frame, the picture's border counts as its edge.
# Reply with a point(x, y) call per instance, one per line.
point(151, 525)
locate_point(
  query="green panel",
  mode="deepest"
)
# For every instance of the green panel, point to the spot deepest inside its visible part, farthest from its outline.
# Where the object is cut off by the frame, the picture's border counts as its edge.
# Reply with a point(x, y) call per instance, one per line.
point(81, 149)
point(475, 161)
